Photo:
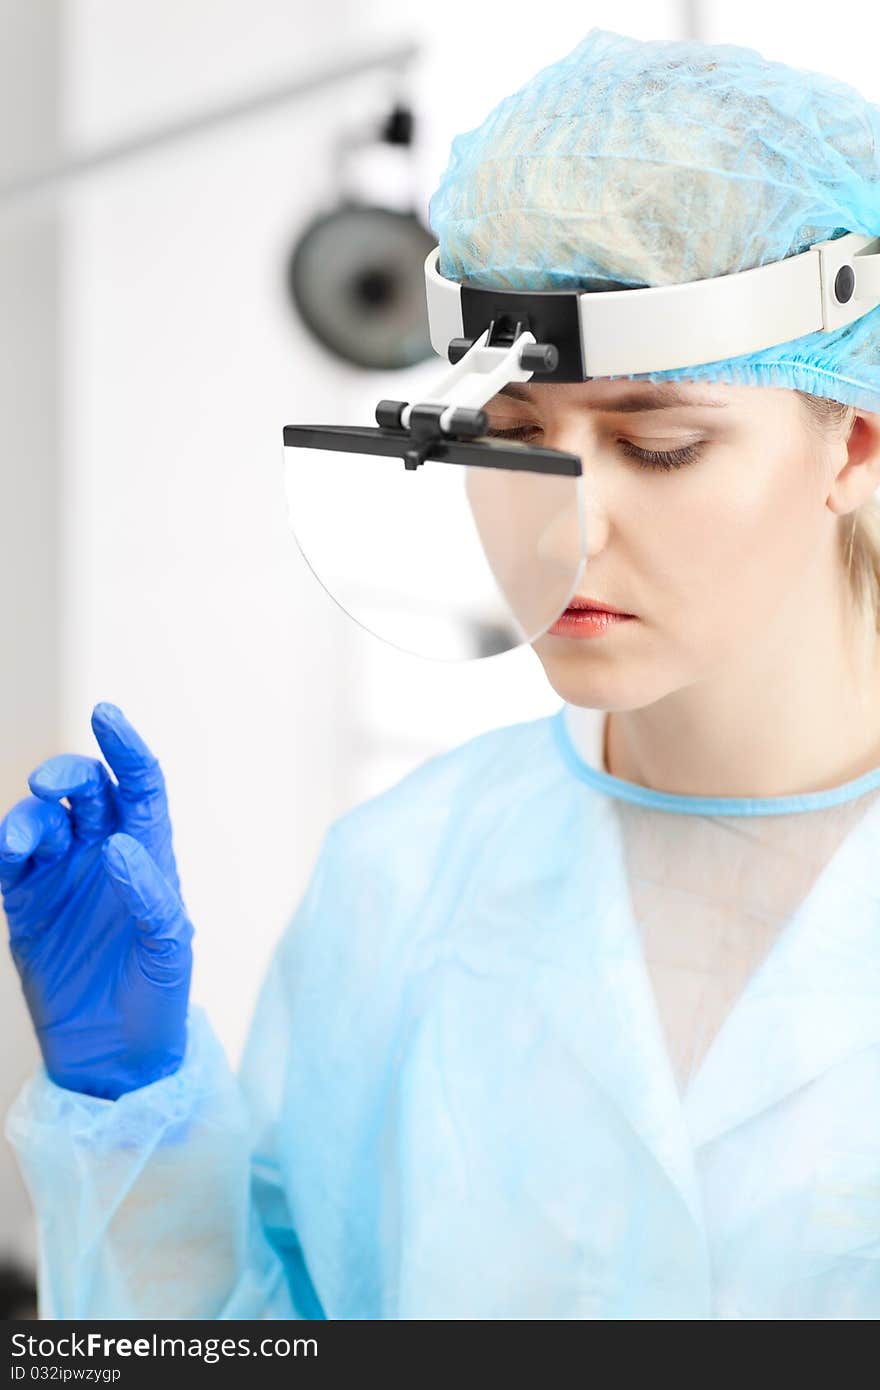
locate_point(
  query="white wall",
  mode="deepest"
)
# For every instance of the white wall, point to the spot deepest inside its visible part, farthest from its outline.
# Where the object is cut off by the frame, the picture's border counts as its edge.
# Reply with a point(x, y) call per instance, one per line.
point(31, 684)
point(805, 36)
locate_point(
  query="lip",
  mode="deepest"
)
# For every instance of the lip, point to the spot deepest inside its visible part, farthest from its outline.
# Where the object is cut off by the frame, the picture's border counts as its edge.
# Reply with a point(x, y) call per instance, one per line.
point(598, 607)
point(583, 621)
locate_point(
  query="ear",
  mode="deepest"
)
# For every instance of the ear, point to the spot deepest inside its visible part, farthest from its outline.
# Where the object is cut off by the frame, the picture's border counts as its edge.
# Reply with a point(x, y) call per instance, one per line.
point(856, 461)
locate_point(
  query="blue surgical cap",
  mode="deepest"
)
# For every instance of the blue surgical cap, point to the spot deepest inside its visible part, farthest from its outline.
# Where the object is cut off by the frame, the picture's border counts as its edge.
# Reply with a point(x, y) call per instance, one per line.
point(631, 162)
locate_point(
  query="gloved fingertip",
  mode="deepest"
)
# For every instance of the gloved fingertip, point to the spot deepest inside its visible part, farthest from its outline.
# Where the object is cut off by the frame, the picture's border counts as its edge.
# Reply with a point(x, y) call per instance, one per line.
point(41, 785)
point(120, 849)
point(123, 860)
point(140, 885)
point(125, 750)
point(67, 774)
point(15, 842)
point(105, 712)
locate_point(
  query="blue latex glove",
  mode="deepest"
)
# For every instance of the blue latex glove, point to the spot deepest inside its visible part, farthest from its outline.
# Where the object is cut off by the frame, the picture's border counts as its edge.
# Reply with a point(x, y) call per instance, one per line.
point(98, 931)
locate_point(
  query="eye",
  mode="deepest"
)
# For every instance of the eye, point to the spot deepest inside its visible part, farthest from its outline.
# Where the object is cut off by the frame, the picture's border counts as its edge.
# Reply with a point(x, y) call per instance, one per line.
point(655, 458)
point(645, 458)
point(519, 432)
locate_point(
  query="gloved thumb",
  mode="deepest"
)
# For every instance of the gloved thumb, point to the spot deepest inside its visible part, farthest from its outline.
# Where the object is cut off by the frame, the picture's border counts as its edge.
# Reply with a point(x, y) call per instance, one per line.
point(164, 929)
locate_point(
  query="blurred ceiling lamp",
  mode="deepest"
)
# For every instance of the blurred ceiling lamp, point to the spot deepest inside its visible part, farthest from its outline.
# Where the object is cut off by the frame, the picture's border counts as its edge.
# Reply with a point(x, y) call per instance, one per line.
point(356, 273)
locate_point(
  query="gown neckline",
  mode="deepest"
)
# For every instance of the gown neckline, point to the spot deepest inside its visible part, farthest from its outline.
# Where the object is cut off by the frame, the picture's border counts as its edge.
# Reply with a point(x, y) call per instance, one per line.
point(828, 935)
point(579, 737)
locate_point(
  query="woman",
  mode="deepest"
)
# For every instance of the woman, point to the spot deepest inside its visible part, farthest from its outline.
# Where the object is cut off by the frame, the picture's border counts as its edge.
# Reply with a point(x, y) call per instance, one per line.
point(563, 1026)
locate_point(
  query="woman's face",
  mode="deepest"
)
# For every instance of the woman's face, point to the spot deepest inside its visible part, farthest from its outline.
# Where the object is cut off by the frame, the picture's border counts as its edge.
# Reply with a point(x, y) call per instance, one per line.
point(703, 520)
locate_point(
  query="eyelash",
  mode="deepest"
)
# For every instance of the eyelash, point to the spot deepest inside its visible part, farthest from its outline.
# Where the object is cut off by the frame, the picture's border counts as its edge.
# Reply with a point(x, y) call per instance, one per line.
point(644, 458)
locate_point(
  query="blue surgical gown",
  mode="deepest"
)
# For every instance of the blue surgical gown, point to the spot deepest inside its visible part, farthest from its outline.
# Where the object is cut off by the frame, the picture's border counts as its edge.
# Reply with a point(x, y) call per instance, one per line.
point(459, 1096)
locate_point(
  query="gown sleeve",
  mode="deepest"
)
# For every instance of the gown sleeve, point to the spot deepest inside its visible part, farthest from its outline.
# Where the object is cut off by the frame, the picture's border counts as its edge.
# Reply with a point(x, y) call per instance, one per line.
point(170, 1202)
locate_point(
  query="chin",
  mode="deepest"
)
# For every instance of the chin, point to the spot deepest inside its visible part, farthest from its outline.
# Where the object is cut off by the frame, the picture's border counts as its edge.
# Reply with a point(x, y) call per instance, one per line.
point(580, 688)
point(582, 682)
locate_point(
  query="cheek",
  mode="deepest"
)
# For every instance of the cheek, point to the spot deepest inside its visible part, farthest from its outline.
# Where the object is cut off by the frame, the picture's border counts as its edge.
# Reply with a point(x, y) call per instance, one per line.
point(731, 534)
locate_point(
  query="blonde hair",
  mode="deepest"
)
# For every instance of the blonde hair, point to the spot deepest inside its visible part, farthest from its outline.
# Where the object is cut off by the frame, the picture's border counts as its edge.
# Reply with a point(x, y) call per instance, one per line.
point(860, 530)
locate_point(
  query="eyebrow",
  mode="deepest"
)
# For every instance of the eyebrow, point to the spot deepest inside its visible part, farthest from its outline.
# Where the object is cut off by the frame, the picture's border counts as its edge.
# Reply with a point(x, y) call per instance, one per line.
point(650, 398)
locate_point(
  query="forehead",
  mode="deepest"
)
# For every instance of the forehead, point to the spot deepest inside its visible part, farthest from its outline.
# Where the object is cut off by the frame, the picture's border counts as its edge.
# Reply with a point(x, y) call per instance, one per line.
point(619, 396)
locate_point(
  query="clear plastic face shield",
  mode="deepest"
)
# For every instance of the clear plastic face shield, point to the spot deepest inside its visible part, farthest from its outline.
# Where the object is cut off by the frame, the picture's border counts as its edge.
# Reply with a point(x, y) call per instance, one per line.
point(453, 546)
point(441, 542)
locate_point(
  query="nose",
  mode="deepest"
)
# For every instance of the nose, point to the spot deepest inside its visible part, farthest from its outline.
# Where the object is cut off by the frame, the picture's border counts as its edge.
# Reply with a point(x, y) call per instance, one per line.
point(591, 513)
